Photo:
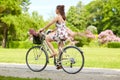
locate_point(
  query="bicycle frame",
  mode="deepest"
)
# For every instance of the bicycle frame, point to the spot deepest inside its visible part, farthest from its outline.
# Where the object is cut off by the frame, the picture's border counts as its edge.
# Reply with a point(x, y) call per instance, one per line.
point(45, 46)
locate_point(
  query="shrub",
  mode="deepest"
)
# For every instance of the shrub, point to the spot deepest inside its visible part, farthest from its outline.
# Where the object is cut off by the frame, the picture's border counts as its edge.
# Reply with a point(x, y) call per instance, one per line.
point(107, 36)
point(82, 41)
point(13, 44)
point(113, 45)
point(94, 43)
point(85, 38)
point(19, 44)
point(89, 34)
point(93, 29)
point(24, 44)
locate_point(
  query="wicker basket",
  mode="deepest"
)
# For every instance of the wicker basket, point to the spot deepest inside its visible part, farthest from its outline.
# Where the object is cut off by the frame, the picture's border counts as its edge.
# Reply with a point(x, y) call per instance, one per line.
point(38, 39)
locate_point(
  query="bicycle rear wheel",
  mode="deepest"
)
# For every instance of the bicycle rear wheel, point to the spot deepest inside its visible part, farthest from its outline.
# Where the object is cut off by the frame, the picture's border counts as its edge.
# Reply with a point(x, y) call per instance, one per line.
point(36, 59)
point(72, 59)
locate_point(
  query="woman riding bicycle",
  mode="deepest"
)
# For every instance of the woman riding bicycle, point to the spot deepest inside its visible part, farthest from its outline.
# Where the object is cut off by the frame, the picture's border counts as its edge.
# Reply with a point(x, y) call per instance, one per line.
point(70, 59)
point(58, 34)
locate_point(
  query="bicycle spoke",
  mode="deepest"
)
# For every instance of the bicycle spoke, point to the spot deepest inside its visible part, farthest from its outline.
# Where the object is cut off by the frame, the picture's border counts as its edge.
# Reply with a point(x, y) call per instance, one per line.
point(36, 59)
point(72, 60)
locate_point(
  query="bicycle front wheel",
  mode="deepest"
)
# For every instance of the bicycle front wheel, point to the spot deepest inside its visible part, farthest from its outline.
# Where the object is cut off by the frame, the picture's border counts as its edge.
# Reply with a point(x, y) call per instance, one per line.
point(72, 59)
point(36, 59)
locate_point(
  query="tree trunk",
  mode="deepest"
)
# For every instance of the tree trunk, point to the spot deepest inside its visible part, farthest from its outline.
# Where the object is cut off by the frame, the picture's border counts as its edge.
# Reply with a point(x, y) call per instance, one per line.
point(4, 41)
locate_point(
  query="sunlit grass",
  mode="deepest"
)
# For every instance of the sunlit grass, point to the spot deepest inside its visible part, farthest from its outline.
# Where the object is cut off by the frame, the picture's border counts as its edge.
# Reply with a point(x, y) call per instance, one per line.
point(94, 57)
point(102, 57)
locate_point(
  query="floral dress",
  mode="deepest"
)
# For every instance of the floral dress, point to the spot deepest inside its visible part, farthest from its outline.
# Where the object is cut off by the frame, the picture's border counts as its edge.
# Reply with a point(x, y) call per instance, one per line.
point(61, 33)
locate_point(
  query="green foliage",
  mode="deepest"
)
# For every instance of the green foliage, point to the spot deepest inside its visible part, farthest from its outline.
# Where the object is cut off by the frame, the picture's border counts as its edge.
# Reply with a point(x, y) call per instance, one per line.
point(100, 13)
point(93, 29)
point(18, 29)
point(9, 12)
point(104, 14)
point(10, 7)
point(76, 17)
point(19, 44)
point(72, 27)
point(82, 41)
point(25, 44)
point(25, 22)
point(93, 43)
point(113, 45)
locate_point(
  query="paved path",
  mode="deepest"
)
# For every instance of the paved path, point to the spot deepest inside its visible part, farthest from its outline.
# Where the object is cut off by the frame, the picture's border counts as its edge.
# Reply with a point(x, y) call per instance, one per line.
point(21, 70)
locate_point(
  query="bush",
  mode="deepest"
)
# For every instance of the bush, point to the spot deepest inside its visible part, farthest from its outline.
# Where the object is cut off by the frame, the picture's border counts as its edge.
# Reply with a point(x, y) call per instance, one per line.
point(85, 38)
point(93, 29)
point(13, 44)
point(24, 44)
point(82, 41)
point(107, 36)
point(113, 45)
point(19, 44)
point(94, 42)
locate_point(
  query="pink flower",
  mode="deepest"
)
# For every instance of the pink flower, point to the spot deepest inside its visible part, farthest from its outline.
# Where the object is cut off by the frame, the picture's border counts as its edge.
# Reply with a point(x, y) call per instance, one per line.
point(107, 36)
point(89, 34)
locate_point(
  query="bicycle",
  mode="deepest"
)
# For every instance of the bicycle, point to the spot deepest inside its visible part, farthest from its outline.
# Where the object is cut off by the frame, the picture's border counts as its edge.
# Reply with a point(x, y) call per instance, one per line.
point(70, 58)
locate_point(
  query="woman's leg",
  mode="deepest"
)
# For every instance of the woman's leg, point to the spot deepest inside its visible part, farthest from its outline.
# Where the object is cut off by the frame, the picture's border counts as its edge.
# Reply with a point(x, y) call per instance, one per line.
point(49, 40)
point(73, 34)
point(60, 46)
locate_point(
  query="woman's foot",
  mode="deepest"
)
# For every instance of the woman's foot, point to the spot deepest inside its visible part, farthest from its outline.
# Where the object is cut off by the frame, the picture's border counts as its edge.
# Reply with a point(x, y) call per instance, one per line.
point(53, 55)
point(59, 67)
point(74, 42)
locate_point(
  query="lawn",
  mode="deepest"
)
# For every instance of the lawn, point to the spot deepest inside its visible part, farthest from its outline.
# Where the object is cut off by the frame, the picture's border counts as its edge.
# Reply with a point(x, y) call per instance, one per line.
point(102, 57)
point(16, 78)
point(94, 57)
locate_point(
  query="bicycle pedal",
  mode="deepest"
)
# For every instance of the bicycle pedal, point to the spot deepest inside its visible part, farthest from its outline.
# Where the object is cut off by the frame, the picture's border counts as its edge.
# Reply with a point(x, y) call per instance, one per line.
point(59, 67)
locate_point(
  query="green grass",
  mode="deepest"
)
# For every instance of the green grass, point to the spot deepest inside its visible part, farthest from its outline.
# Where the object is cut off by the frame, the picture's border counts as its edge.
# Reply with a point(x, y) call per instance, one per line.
point(94, 57)
point(102, 57)
point(16, 78)
point(12, 55)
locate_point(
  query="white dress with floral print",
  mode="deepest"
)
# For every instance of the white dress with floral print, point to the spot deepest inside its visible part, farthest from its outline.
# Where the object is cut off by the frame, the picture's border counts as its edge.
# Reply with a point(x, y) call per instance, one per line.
point(61, 33)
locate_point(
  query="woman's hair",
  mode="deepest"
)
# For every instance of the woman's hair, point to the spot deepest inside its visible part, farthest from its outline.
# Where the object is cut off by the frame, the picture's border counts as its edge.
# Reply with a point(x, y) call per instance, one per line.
point(60, 8)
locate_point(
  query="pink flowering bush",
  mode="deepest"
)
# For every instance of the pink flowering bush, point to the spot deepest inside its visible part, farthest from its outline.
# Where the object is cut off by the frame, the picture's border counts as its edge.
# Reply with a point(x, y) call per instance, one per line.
point(85, 38)
point(107, 36)
point(89, 34)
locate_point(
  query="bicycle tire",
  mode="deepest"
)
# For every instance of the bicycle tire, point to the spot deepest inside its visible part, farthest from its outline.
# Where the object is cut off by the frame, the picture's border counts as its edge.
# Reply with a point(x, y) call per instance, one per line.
point(36, 67)
point(64, 52)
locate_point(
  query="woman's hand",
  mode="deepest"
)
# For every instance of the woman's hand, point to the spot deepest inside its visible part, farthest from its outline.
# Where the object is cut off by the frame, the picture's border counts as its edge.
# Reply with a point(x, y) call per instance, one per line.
point(41, 30)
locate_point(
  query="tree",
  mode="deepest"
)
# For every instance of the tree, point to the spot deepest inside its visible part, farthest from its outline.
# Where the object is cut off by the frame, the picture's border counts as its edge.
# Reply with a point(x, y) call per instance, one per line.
point(104, 14)
point(76, 17)
point(25, 22)
point(8, 9)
